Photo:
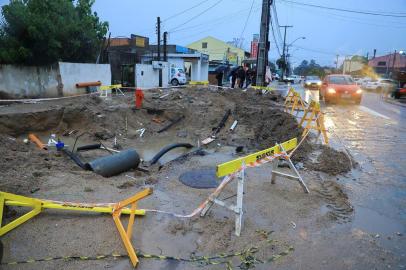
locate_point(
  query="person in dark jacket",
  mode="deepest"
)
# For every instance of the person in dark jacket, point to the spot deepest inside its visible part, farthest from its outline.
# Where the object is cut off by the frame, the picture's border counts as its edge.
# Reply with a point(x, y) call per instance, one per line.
point(241, 76)
point(233, 75)
point(248, 78)
point(219, 77)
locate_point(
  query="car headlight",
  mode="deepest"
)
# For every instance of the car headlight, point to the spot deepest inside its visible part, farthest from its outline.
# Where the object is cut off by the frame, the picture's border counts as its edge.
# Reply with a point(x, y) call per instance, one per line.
point(331, 91)
point(359, 91)
point(318, 83)
point(307, 83)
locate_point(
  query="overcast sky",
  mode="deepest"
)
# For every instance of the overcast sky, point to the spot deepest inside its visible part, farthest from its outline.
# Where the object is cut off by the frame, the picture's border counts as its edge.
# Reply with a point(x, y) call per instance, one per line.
point(327, 32)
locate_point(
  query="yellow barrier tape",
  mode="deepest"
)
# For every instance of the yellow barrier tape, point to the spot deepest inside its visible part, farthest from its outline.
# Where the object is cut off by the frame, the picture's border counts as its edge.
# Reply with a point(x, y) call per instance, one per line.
point(234, 165)
point(199, 82)
point(109, 87)
point(267, 88)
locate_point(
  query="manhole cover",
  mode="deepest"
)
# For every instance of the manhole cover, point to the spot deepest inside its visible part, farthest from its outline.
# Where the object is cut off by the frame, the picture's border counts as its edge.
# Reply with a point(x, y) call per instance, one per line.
point(200, 178)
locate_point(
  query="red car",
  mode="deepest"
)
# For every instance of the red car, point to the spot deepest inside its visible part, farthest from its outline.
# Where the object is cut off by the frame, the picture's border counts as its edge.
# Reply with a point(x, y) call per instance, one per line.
point(337, 86)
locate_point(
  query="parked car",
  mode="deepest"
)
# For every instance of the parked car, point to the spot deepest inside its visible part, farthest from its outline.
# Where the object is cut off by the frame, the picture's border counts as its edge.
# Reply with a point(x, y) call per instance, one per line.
point(380, 84)
point(275, 76)
point(178, 76)
point(363, 82)
point(296, 78)
point(312, 82)
point(399, 92)
point(336, 87)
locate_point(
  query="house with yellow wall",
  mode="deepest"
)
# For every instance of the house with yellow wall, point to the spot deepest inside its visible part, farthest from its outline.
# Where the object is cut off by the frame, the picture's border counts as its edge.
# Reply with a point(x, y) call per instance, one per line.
point(219, 50)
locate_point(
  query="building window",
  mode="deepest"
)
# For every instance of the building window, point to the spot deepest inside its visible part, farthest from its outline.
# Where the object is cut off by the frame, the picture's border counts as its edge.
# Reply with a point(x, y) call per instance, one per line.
point(382, 63)
point(204, 45)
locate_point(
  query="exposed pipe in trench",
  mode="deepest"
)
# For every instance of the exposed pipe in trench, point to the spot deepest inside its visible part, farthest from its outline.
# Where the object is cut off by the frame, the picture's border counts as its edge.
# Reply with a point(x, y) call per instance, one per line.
point(167, 149)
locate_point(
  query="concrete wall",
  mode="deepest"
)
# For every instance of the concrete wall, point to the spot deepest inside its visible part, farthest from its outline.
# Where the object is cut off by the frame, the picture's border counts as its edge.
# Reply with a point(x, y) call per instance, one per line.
point(29, 82)
point(148, 77)
point(50, 81)
point(73, 73)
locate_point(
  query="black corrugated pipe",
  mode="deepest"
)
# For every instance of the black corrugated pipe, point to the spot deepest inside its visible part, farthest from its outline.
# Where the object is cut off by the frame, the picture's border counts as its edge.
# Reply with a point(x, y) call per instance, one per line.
point(167, 149)
point(115, 164)
point(76, 159)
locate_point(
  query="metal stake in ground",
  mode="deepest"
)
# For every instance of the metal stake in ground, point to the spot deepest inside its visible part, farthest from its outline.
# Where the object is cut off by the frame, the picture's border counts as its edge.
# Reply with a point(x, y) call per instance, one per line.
point(236, 208)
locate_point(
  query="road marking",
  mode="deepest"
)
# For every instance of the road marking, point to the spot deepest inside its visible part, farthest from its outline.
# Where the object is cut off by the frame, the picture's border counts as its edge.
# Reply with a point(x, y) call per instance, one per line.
point(368, 110)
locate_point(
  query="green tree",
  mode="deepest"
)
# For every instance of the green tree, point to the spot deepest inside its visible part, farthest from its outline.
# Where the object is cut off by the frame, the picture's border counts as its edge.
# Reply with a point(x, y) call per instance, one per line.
point(37, 32)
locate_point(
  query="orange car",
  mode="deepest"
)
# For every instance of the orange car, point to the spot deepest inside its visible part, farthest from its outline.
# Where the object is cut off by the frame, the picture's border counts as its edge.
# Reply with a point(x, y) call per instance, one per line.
point(337, 86)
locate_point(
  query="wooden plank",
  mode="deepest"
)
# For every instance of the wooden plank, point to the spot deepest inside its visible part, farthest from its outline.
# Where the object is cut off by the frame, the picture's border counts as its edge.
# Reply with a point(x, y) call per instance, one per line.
point(234, 165)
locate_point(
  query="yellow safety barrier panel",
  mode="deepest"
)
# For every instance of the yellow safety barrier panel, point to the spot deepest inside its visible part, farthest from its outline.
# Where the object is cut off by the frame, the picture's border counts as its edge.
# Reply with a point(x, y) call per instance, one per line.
point(234, 165)
point(110, 87)
point(294, 102)
point(313, 118)
point(237, 167)
point(116, 209)
point(198, 82)
point(106, 90)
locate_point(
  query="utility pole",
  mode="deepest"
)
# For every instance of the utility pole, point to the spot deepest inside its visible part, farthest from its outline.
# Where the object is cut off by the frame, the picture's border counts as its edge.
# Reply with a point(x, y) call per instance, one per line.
point(158, 30)
point(337, 62)
point(263, 44)
point(345, 60)
point(165, 48)
point(393, 64)
point(284, 46)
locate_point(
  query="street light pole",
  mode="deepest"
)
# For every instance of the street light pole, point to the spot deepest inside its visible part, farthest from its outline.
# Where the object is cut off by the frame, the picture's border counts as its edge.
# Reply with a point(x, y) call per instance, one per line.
point(287, 49)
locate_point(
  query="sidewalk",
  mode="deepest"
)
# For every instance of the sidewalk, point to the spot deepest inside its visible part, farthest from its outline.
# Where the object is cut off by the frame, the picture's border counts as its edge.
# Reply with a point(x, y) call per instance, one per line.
point(398, 102)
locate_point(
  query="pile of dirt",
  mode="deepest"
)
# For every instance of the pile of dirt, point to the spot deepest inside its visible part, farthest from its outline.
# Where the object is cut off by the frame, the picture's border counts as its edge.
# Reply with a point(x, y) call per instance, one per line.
point(24, 167)
point(275, 126)
point(332, 161)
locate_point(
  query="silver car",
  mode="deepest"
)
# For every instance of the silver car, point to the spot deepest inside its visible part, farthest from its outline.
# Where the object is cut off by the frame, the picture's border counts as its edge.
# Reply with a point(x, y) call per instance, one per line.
point(312, 82)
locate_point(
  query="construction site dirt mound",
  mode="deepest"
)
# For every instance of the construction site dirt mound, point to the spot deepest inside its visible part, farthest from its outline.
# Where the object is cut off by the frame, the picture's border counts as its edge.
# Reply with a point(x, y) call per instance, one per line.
point(332, 161)
point(24, 167)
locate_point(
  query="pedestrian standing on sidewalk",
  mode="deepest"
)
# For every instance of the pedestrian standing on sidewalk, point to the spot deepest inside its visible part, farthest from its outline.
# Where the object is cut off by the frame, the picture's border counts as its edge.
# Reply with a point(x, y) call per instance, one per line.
point(241, 77)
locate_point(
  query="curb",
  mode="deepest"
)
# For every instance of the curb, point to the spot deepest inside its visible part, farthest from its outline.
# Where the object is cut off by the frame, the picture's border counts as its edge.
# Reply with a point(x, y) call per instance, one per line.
point(395, 102)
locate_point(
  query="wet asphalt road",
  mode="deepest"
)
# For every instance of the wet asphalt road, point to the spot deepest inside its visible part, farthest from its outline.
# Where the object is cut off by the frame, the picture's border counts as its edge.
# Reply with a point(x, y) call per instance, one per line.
point(374, 133)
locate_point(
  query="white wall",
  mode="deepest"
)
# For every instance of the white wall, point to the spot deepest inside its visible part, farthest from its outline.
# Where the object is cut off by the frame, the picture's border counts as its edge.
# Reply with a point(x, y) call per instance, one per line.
point(50, 81)
point(148, 77)
point(204, 71)
point(73, 73)
point(29, 81)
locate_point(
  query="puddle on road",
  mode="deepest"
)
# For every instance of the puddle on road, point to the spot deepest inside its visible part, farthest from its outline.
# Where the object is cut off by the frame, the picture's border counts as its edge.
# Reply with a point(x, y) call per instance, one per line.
point(373, 222)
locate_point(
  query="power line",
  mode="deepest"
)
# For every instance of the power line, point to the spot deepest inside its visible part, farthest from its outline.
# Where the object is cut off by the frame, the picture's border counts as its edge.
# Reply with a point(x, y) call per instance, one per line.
point(274, 39)
point(352, 19)
point(246, 22)
point(201, 13)
point(211, 21)
point(184, 11)
point(222, 20)
point(277, 26)
point(318, 51)
point(348, 10)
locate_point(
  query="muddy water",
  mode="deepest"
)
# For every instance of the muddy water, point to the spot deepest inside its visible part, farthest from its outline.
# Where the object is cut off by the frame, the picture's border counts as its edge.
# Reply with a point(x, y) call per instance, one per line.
point(377, 189)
